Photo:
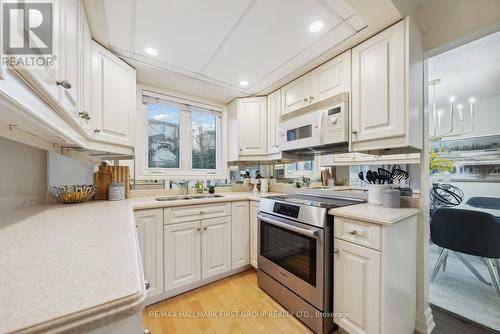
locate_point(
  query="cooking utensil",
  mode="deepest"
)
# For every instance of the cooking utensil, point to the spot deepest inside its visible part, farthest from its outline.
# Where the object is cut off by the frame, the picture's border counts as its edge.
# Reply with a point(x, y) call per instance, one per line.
point(361, 176)
point(369, 177)
point(399, 174)
point(72, 193)
point(376, 178)
point(386, 175)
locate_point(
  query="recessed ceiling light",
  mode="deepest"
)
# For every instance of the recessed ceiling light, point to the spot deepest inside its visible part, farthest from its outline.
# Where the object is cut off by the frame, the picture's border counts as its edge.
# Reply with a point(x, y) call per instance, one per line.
point(316, 26)
point(150, 51)
point(243, 83)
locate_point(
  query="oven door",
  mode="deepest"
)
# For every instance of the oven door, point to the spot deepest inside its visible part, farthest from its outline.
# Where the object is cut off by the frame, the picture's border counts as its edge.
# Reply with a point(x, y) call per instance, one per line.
point(293, 254)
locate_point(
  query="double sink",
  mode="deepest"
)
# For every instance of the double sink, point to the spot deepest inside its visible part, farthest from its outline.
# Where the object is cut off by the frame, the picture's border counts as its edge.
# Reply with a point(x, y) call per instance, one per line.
point(184, 197)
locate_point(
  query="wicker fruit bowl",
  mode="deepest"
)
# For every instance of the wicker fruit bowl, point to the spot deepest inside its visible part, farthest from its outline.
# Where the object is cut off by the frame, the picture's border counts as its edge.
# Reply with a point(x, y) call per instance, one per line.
point(73, 193)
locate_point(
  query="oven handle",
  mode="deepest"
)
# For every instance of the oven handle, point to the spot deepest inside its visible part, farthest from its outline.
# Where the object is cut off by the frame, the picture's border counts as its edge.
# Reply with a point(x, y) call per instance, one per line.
point(290, 227)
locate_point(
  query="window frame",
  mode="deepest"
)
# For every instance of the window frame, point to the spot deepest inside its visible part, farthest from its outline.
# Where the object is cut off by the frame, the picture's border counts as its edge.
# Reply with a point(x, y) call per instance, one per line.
point(185, 170)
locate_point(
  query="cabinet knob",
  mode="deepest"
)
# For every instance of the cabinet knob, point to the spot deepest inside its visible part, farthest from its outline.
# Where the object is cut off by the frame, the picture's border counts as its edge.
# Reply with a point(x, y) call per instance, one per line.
point(205, 228)
point(64, 84)
point(306, 99)
point(198, 229)
point(84, 115)
point(355, 132)
point(311, 97)
point(97, 130)
point(146, 331)
point(336, 251)
point(353, 232)
point(241, 149)
point(146, 283)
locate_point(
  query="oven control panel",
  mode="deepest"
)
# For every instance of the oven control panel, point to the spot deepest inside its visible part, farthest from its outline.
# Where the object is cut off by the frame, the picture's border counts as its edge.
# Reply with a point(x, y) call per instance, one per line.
point(288, 210)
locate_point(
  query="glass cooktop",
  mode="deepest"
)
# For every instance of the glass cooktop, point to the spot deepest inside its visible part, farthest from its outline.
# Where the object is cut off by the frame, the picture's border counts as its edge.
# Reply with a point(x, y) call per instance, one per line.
point(317, 201)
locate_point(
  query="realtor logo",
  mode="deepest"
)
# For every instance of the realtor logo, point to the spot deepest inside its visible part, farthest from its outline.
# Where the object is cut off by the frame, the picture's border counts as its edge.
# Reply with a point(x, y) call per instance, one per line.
point(27, 34)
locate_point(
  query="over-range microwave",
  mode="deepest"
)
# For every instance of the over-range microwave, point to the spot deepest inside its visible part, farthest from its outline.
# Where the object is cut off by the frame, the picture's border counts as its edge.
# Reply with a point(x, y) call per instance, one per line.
point(320, 131)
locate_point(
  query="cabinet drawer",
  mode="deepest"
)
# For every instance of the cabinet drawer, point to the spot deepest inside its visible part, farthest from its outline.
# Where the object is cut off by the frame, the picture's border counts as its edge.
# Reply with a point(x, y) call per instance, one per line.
point(358, 232)
point(183, 214)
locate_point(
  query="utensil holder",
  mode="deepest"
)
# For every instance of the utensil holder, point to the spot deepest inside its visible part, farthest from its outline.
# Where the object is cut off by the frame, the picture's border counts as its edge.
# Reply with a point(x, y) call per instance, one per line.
point(375, 193)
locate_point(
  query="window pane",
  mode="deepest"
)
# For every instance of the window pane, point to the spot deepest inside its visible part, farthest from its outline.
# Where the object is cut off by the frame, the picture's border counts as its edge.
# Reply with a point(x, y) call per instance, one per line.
point(204, 140)
point(163, 136)
point(291, 167)
point(308, 166)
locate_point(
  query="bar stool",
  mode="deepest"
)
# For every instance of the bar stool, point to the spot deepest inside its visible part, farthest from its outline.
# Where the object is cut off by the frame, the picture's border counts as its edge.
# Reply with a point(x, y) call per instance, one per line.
point(469, 232)
point(484, 202)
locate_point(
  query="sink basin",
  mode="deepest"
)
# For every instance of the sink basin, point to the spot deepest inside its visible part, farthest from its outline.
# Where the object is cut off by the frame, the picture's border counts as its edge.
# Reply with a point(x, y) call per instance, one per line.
point(206, 196)
point(180, 198)
point(172, 198)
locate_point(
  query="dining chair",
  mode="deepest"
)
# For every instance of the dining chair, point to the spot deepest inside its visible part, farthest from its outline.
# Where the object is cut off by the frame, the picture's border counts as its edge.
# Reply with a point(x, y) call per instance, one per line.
point(469, 232)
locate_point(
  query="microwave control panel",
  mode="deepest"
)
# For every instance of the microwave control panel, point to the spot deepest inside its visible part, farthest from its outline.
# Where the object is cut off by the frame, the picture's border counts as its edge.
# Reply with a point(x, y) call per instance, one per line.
point(336, 125)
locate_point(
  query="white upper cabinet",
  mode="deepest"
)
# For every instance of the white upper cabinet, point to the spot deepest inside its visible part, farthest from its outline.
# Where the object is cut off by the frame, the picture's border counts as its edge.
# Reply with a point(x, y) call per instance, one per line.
point(387, 90)
point(113, 96)
point(295, 95)
point(70, 59)
point(85, 74)
point(330, 79)
point(252, 126)
point(273, 118)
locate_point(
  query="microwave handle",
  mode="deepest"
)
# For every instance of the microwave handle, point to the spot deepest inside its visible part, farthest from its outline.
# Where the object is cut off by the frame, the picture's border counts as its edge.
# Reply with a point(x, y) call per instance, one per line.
point(322, 122)
point(293, 228)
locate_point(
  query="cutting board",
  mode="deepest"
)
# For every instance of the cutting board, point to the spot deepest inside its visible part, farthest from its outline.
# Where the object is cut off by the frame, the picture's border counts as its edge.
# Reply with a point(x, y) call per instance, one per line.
point(108, 174)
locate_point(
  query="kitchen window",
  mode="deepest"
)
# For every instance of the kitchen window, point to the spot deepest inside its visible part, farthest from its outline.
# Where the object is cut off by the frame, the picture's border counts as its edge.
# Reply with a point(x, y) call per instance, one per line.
point(182, 139)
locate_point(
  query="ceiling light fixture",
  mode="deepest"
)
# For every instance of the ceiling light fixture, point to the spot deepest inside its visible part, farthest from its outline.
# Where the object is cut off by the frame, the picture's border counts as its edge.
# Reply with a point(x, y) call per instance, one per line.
point(150, 51)
point(316, 26)
point(243, 83)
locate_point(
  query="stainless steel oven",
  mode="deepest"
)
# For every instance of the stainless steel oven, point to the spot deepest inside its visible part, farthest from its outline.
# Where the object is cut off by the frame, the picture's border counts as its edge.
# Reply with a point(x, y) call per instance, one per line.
point(294, 254)
point(295, 245)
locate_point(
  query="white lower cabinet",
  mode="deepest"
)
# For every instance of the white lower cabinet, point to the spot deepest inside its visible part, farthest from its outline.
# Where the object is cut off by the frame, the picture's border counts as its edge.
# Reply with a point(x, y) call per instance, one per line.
point(357, 287)
point(374, 280)
point(150, 235)
point(215, 246)
point(182, 254)
point(254, 233)
point(240, 234)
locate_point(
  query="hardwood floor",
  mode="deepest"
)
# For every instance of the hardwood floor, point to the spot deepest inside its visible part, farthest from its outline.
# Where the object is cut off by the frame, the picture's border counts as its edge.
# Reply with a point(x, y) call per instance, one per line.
point(238, 293)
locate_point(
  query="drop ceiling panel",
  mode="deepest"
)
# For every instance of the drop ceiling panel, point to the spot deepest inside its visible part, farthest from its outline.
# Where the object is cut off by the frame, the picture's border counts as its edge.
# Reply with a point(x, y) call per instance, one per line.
point(185, 33)
point(271, 34)
point(120, 28)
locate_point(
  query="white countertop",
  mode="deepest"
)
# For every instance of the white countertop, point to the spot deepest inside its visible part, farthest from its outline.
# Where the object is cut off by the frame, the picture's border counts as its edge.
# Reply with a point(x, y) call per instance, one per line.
point(70, 268)
point(374, 213)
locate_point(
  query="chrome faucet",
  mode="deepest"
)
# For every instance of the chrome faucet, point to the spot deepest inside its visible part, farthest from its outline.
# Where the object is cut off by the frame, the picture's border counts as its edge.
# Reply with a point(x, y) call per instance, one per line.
point(181, 184)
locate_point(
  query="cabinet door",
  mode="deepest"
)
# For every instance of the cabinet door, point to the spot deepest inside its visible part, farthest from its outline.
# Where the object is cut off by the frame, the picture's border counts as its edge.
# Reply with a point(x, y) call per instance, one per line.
point(182, 254)
point(295, 95)
point(240, 234)
point(216, 247)
point(70, 59)
point(254, 234)
point(331, 78)
point(378, 86)
point(252, 126)
point(273, 117)
point(85, 52)
point(113, 96)
point(357, 287)
point(150, 235)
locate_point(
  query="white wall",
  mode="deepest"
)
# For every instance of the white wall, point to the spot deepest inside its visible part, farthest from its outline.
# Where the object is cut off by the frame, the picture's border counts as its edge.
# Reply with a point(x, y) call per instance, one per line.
point(487, 120)
point(64, 170)
point(23, 178)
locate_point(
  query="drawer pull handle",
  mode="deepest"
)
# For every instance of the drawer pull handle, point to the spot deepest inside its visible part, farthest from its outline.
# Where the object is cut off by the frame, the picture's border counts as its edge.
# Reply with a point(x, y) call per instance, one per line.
point(353, 232)
point(146, 283)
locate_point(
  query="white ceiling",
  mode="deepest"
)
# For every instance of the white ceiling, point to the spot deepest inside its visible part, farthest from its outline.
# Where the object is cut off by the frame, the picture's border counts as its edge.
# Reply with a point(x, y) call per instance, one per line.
point(472, 70)
point(207, 47)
